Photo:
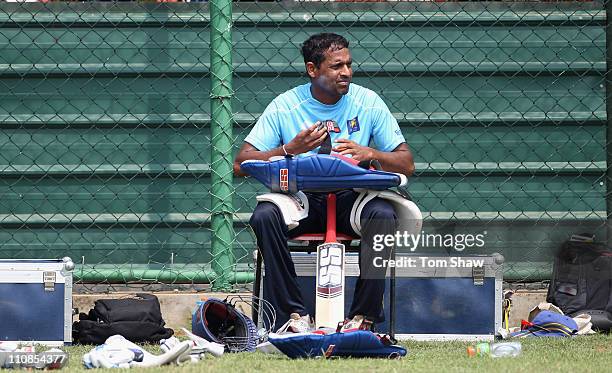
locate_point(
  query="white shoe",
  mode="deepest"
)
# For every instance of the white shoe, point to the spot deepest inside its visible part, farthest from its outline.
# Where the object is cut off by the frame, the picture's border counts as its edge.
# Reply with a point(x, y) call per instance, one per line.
point(358, 322)
point(296, 324)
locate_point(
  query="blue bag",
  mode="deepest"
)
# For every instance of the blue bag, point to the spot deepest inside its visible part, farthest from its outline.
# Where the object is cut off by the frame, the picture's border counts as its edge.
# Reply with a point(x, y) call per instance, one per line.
point(360, 343)
point(549, 324)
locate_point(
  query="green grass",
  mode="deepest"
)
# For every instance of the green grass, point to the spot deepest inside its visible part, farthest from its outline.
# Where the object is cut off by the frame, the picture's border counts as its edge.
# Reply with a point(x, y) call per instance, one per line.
point(579, 354)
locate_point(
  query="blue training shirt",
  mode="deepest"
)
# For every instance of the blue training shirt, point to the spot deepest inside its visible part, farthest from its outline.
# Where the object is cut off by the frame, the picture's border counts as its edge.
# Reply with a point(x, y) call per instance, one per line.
point(360, 116)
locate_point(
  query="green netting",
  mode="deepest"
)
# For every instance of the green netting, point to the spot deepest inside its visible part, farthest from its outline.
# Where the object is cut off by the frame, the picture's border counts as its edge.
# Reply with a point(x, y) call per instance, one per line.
point(119, 123)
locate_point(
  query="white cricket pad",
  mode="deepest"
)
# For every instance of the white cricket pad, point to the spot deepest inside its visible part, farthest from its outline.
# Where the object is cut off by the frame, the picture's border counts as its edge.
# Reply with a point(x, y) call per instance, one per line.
point(409, 215)
point(294, 207)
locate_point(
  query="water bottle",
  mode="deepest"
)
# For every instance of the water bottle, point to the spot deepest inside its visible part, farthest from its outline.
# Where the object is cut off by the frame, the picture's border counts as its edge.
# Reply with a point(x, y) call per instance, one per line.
point(503, 349)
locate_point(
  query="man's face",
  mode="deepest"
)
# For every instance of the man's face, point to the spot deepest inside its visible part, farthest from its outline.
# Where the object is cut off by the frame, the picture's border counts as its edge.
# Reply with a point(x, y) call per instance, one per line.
point(334, 74)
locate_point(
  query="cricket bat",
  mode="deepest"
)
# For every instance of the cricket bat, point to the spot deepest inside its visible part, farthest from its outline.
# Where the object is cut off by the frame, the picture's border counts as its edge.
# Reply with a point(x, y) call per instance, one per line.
point(329, 297)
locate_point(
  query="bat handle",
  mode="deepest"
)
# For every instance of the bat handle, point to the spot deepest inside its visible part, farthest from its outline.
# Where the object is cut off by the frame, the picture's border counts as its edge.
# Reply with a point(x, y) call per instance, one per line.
point(330, 234)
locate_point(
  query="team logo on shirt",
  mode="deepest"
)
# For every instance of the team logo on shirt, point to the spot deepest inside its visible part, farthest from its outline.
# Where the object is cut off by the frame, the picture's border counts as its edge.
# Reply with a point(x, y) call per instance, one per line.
point(331, 125)
point(352, 125)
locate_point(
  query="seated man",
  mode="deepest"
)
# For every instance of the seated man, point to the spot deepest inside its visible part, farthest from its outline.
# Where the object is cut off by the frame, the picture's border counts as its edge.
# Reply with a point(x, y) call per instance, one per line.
point(298, 122)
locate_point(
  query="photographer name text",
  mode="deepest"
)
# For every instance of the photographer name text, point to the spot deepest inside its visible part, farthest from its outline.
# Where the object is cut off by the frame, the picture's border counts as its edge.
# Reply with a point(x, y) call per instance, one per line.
point(426, 262)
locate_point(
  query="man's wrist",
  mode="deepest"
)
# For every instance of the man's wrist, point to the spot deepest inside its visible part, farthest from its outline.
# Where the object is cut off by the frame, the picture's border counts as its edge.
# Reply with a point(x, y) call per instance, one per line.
point(288, 149)
point(374, 155)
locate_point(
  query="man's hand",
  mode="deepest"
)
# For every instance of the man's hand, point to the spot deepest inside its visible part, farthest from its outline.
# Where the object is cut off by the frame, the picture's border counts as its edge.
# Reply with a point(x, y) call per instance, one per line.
point(358, 152)
point(307, 139)
point(303, 142)
point(398, 160)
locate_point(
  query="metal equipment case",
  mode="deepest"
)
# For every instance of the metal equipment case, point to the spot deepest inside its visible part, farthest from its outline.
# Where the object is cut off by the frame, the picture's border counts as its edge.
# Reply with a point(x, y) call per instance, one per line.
point(436, 297)
point(448, 297)
point(36, 301)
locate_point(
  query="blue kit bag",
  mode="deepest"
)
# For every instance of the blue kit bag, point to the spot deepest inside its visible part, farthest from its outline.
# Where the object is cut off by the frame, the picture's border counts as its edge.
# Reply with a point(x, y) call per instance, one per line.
point(359, 343)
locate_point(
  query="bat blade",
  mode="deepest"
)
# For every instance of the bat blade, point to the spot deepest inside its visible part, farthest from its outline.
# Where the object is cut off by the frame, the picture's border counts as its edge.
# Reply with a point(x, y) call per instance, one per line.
point(329, 297)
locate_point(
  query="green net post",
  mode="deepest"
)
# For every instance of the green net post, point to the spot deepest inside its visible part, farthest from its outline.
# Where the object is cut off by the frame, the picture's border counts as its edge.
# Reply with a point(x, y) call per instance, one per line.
point(221, 139)
point(608, 125)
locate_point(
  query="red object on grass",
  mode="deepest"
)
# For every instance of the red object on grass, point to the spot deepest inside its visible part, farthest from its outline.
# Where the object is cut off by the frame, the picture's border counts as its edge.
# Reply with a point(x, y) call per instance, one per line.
point(526, 324)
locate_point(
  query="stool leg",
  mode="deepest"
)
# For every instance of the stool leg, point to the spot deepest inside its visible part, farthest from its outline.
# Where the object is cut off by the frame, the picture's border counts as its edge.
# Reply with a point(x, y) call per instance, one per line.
point(392, 303)
point(257, 288)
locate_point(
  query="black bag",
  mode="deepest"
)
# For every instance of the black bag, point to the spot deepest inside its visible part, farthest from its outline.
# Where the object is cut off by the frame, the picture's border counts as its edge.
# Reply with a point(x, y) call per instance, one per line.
point(138, 319)
point(582, 281)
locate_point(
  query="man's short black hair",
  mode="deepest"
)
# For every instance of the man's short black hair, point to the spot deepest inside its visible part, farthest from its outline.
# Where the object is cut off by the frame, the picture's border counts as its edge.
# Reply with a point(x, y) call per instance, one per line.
point(314, 48)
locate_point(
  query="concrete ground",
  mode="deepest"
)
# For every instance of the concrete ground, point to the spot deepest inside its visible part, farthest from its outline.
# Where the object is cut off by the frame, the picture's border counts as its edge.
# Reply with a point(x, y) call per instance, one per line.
point(177, 306)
